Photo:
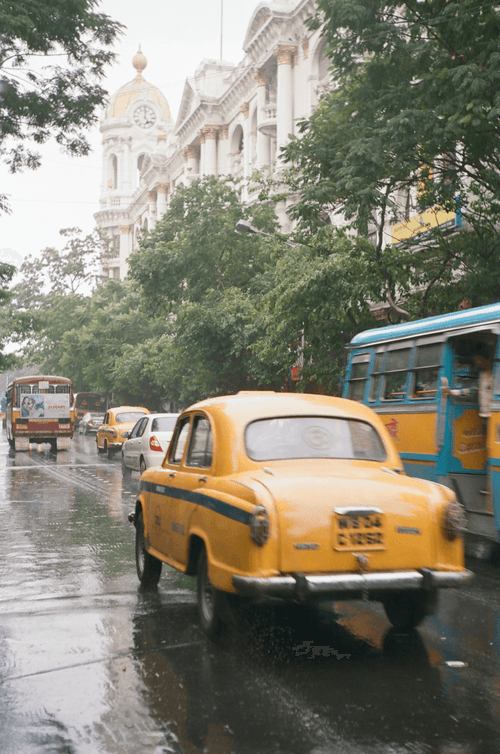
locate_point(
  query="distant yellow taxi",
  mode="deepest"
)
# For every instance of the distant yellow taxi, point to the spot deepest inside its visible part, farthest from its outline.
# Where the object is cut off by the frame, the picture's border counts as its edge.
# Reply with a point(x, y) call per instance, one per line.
point(296, 496)
point(118, 422)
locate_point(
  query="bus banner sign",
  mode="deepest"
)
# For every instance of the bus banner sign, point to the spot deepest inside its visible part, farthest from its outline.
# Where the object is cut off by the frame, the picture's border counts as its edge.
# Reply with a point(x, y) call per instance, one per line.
point(45, 406)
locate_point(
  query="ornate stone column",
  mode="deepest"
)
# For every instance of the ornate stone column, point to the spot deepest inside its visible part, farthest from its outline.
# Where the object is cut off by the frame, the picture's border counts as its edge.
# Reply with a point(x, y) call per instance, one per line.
point(152, 209)
point(245, 109)
point(191, 158)
point(201, 137)
point(126, 233)
point(126, 171)
point(284, 127)
point(223, 162)
point(161, 199)
point(210, 134)
point(262, 139)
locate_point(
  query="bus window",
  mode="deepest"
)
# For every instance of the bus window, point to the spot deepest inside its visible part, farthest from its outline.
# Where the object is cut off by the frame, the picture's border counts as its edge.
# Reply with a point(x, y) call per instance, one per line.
point(395, 374)
point(359, 375)
point(424, 383)
point(376, 376)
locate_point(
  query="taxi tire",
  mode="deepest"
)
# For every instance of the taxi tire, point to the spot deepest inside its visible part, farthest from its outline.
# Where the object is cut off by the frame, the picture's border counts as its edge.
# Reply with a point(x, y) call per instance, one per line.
point(110, 453)
point(406, 610)
point(148, 567)
point(213, 605)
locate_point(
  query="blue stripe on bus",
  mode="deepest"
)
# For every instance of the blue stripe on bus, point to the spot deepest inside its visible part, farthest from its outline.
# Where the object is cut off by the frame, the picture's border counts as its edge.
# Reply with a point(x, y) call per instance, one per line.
point(419, 457)
point(199, 498)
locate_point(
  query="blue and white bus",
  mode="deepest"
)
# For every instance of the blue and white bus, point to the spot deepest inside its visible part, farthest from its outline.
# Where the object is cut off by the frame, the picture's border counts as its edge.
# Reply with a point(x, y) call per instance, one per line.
point(436, 384)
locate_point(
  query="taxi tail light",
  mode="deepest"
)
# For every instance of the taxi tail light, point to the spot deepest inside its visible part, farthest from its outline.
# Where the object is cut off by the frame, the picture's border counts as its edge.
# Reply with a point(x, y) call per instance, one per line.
point(154, 444)
point(259, 525)
point(454, 521)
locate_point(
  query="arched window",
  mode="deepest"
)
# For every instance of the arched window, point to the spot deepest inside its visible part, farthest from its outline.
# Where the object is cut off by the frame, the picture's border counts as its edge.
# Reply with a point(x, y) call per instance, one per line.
point(139, 165)
point(237, 147)
point(113, 172)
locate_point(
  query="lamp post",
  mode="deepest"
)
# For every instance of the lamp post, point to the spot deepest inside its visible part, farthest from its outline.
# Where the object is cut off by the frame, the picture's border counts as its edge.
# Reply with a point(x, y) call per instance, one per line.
point(243, 226)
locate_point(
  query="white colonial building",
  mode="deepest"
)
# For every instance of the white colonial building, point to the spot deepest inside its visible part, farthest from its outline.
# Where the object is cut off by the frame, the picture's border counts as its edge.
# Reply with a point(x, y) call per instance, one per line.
point(232, 121)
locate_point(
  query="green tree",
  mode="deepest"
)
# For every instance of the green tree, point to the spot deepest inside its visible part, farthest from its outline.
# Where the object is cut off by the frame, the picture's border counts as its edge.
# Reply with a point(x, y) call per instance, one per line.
point(206, 281)
point(318, 302)
point(47, 299)
point(106, 347)
point(6, 274)
point(415, 111)
point(53, 57)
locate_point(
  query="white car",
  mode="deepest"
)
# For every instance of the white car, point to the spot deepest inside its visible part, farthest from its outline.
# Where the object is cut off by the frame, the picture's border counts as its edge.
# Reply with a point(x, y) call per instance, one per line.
point(147, 442)
point(90, 422)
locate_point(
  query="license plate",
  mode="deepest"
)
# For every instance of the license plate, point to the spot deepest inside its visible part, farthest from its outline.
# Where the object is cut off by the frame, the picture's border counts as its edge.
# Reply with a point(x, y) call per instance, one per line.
point(358, 529)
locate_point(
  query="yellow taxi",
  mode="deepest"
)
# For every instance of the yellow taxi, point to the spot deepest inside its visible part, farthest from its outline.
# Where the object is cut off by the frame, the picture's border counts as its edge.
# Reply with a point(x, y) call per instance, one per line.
point(296, 496)
point(117, 423)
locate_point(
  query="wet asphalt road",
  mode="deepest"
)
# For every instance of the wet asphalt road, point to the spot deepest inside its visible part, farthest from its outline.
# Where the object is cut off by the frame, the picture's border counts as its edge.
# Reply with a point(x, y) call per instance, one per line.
point(89, 663)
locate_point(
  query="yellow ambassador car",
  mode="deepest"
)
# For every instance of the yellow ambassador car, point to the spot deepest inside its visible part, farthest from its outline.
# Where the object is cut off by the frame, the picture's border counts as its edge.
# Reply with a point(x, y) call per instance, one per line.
point(296, 496)
point(117, 421)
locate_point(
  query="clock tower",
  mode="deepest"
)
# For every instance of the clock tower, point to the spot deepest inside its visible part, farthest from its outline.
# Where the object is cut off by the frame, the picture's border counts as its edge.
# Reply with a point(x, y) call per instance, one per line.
point(135, 126)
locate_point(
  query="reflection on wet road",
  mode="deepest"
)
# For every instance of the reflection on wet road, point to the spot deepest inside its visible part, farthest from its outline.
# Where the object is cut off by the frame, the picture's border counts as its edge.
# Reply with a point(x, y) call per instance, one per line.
point(89, 663)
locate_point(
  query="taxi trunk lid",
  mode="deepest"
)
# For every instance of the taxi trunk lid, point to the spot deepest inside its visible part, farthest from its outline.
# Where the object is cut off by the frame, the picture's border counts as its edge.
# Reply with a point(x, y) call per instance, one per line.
point(326, 520)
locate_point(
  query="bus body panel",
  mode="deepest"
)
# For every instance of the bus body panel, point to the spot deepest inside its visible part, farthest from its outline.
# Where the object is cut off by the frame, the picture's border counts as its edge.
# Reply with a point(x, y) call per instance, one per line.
point(423, 379)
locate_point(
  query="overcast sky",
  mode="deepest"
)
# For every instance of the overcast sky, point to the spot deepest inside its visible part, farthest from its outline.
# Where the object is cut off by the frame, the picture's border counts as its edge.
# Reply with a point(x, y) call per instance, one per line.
point(175, 37)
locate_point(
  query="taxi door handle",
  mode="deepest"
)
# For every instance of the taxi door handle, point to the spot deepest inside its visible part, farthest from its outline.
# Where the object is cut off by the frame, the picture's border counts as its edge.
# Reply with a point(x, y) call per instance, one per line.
point(203, 479)
point(172, 474)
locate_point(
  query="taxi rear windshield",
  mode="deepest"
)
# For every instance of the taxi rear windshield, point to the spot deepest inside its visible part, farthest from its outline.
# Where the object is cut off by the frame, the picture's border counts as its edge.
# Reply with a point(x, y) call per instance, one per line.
point(129, 416)
point(313, 437)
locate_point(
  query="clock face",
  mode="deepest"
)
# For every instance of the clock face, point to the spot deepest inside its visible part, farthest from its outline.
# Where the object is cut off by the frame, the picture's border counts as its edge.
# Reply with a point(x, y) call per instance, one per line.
point(144, 116)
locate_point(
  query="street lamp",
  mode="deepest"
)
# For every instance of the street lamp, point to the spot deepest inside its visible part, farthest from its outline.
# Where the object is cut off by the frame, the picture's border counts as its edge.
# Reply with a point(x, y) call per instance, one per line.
point(243, 226)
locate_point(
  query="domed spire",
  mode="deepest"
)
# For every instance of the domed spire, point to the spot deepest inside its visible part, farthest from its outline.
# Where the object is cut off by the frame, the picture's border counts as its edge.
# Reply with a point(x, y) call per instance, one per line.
point(139, 62)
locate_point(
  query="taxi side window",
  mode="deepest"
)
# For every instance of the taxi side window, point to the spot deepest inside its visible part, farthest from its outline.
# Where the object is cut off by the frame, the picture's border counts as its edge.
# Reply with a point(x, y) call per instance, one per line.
point(106, 419)
point(177, 451)
point(201, 445)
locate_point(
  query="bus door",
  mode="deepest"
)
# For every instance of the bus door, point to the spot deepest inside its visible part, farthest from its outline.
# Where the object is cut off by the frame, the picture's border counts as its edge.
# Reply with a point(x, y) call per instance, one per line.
point(493, 444)
point(465, 451)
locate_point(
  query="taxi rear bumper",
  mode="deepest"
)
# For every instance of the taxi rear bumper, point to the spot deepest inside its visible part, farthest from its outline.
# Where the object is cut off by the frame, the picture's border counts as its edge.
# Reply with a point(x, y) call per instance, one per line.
point(343, 585)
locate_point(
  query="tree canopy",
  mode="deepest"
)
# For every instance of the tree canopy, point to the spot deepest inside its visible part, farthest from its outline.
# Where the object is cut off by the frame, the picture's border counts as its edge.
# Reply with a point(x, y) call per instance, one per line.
point(411, 123)
point(53, 57)
point(206, 281)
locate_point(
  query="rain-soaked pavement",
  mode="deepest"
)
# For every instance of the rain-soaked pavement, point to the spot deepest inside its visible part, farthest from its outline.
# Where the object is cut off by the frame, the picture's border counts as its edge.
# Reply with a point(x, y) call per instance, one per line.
point(89, 663)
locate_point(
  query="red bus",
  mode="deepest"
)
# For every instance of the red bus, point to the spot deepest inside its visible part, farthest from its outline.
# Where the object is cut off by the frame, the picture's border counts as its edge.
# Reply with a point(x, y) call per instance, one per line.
point(39, 410)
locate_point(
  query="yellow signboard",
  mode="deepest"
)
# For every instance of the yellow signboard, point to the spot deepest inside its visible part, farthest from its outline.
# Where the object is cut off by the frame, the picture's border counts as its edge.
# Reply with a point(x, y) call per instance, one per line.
point(426, 220)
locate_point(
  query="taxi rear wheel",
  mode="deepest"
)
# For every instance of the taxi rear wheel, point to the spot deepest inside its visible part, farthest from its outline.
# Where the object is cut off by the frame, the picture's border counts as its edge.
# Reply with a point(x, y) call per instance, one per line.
point(148, 567)
point(406, 610)
point(213, 605)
